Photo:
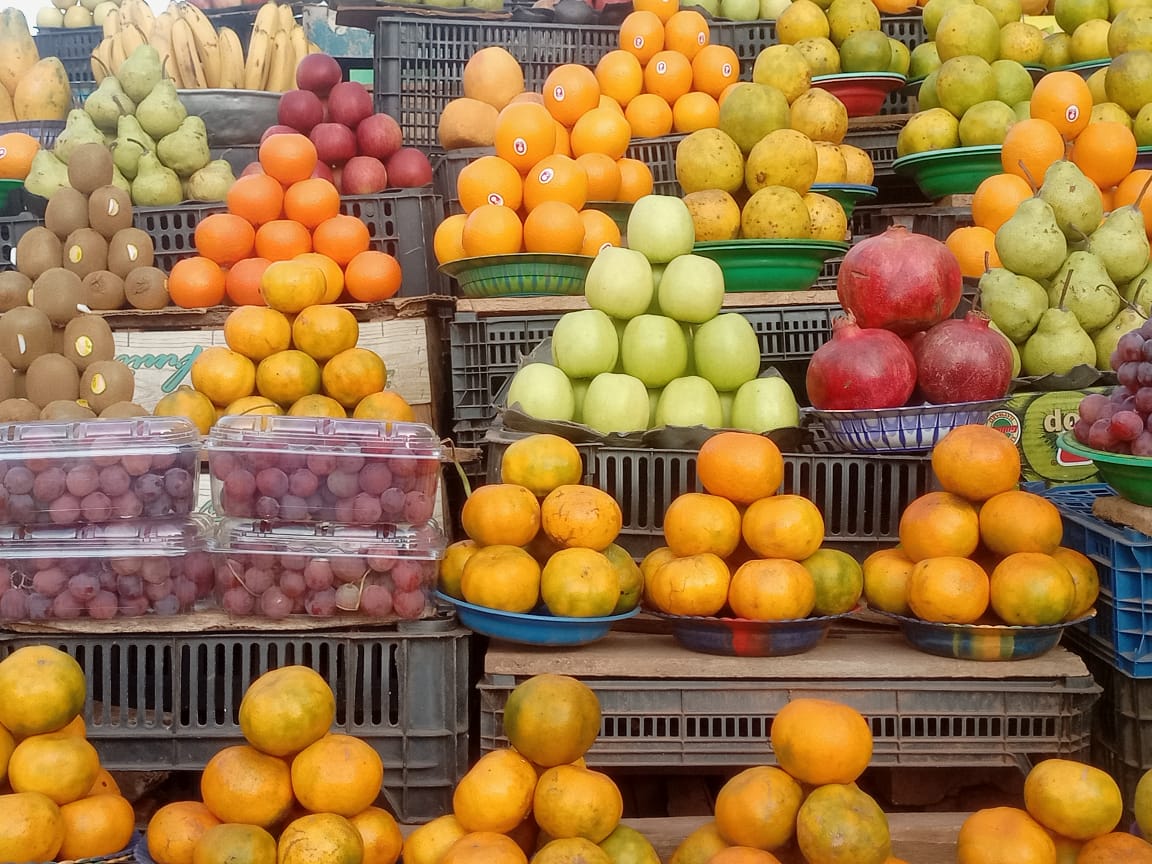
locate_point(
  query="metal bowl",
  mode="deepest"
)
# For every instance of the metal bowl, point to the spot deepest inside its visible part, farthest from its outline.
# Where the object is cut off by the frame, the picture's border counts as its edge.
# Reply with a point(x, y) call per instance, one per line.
point(232, 117)
point(981, 641)
point(911, 428)
point(742, 637)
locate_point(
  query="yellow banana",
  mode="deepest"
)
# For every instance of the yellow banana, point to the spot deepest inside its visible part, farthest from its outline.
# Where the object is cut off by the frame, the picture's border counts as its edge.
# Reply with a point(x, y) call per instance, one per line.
point(131, 37)
point(144, 18)
point(299, 50)
point(284, 17)
point(102, 59)
point(313, 48)
point(282, 69)
point(161, 36)
point(187, 60)
point(116, 52)
point(266, 17)
point(205, 41)
point(256, 66)
point(111, 24)
point(231, 59)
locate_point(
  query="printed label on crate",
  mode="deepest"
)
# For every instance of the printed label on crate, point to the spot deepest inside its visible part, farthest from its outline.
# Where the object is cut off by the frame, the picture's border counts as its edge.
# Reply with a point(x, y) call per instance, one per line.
point(162, 359)
point(1033, 422)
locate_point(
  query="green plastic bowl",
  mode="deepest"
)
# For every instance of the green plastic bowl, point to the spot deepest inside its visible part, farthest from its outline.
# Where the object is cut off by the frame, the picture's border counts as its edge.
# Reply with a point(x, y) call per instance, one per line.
point(1130, 476)
point(11, 201)
point(1084, 68)
point(525, 274)
point(848, 194)
point(770, 265)
point(955, 171)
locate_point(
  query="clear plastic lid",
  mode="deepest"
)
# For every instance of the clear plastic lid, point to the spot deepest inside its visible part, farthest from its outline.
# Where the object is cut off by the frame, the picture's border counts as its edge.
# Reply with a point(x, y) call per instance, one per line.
point(127, 538)
point(332, 434)
point(97, 437)
point(419, 542)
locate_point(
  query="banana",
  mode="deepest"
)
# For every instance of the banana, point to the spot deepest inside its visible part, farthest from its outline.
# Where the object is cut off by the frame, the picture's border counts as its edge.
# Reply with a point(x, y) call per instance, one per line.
point(205, 40)
point(102, 59)
point(111, 24)
point(231, 58)
point(313, 48)
point(116, 55)
point(131, 37)
point(144, 18)
point(259, 54)
point(187, 60)
point(281, 64)
point(299, 50)
point(266, 17)
point(285, 18)
point(161, 40)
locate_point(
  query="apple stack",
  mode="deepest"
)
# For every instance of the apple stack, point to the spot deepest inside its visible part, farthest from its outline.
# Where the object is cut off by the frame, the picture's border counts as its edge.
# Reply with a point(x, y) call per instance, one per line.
point(654, 349)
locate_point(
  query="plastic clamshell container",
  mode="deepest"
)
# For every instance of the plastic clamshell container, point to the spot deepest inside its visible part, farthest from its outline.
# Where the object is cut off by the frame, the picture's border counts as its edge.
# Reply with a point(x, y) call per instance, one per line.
point(273, 571)
point(323, 469)
point(96, 471)
point(115, 570)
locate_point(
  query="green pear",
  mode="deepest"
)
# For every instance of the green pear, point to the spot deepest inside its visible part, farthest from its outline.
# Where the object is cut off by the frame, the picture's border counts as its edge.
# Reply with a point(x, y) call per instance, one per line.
point(1138, 292)
point(1082, 286)
point(210, 183)
point(1121, 243)
point(46, 174)
point(1075, 200)
point(140, 72)
point(107, 104)
point(155, 185)
point(1011, 347)
point(131, 142)
point(1030, 243)
point(185, 151)
point(1058, 345)
point(1014, 303)
point(78, 129)
point(161, 112)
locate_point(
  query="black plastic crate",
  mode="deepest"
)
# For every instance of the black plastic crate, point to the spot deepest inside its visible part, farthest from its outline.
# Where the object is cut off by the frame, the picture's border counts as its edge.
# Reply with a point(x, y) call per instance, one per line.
point(74, 48)
point(44, 131)
point(172, 229)
point(11, 230)
point(879, 144)
point(169, 702)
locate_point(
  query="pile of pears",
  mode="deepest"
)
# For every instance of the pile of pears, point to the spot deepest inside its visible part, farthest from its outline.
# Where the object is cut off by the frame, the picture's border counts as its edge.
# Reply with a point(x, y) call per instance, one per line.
point(160, 151)
point(1072, 281)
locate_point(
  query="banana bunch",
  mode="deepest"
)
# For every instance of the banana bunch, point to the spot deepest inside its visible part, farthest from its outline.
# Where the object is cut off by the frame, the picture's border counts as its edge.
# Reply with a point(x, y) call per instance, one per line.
point(196, 55)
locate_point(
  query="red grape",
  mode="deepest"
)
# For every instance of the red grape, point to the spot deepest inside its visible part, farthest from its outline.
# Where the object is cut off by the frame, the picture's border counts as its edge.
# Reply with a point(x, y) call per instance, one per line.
point(49, 485)
point(375, 477)
point(83, 586)
point(50, 581)
point(13, 605)
point(343, 485)
point(1080, 430)
point(292, 583)
point(348, 597)
point(114, 480)
point(103, 605)
point(318, 575)
point(127, 506)
point(96, 507)
point(156, 591)
point(1100, 435)
point(238, 601)
point(155, 570)
point(1128, 375)
point(19, 480)
point(83, 480)
point(409, 604)
point(1126, 425)
point(407, 575)
point(64, 605)
point(1130, 346)
point(417, 507)
point(303, 483)
point(376, 600)
point(347, 568)
point(1142, 446)
point(321, 604)
point(272, 482)
point(137, 463)
point(274, 603)
point(257, 580)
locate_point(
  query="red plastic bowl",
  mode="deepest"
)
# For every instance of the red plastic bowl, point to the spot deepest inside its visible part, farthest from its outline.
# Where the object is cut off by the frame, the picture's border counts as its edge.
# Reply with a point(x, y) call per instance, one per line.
point(861, 92)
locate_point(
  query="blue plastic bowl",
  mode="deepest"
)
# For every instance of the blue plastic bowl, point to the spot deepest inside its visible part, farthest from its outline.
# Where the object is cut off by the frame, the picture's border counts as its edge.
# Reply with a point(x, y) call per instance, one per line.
point(741, 637)
point(533, 628)
point(981, 641)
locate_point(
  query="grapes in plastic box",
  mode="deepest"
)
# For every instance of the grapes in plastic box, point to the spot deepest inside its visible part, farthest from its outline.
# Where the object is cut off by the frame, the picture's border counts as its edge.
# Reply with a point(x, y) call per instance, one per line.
point(273, 571)
point(323, 469)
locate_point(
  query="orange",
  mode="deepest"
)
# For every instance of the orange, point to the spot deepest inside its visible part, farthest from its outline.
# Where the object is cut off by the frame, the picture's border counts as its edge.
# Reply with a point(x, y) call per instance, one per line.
point(609, 102)
point(484, 847)
point(341, 238)
point(337, 774)
point(1029, 148)
point(758, 808)
point(501, 513)
point(372, 276)
point(428, 843)
point(743, 855)
point(63, 767)
point(576, 515)
point(253, 405)
point(740, 466)
point(695, 585)
point(976, 462)
point(17, 150)
point(289, 286)
point(668, 75)
point(603, 176)
point(714, 69)
point(97, 825)
point(1128, 191)
point(571, 801)
point(975, 250)
point(451, 567)
point(939, 523)
point(697, 522)
point(771, 589)
point(311, 201)
point(501, 577)
point(1019, 521)
point(783, 526)
point(620, 76)
point(316, 405)
point(235, 844)
point(1118, 847)
point(839, 822)
point(223, 375)
point(448, 241)
point(687, 32)
point(333, 275)
point(241, 784)
point(602, 130)
point(105, 782)
point(570, 91)
point(1032, 589)
point(77, 727)
point(286, 709)
point(525, 134)
point(839, 581)
point(699, 846)
point(635, 179)
point(563, 140)
point(554, 226)
point(552, 719)
point(492, 229)
point(1085, 579)
point(948, 589)
point(496, 792)
point(642, 35)
point(352, 375)
point(663, 9)
point(242, 281)
point(996, 199)
point(1064, 100)
point(385, 405)
point(489, 180)
point(195, 283)
point(556, 178)
point(258, 198)
point(282, 240)
point(287, 377)
point(820, 741)
point(42, 689)
point(383, 841)
point(288, 158)
point(886, 574)
point(321, 332)
point(649, 116)
point(1105, 152)
point(34, 828)
point(174, 830)
point(695, 111)
point(318, 837)
point(1004, 835)
point(186, 402)
point(600, 230)
point(579, 583)
point(1072, 799)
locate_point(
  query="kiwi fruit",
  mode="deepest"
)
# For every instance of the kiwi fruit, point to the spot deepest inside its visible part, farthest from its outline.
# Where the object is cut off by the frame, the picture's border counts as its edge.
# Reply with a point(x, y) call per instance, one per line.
point(146, 288)
point(124, 409)
point(67, 211)
point(87, 340)
point(128, 249)
point(18, 411)
point(85, 251)
point(90, 167)
point(106, 382)
point(103, 291)
point(25, 334)
point(37, 250)
point(7, 380)
point(14, 287)
point(58, 293)
point(66, 409)
point(109, 210)
point(51, 377)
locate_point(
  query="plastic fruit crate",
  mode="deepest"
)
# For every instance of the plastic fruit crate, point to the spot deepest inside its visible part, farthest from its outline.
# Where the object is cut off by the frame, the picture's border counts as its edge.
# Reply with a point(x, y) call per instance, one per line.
point(165, 702)
point(74, 48)
point(11, 230)
point(44, 131)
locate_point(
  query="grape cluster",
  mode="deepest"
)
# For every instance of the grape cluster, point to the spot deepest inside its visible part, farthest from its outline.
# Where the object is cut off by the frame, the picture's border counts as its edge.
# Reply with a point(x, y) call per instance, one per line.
point(1121, 422)
point(94, 587)
point(324, 487)
point(97, 488)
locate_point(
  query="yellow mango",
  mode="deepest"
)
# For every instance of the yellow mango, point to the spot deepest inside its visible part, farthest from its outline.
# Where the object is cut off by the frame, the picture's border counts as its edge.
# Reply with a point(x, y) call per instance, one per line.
point(43, 92)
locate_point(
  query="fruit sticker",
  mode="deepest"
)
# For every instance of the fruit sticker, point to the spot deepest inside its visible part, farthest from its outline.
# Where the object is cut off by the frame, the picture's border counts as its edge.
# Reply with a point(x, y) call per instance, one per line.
point(520, 146)
point(558, 93)
point(1072, 113)
point(546, 175)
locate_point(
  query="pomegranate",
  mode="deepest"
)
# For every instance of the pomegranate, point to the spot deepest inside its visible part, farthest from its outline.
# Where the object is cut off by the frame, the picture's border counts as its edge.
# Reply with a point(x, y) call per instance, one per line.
point(860, 368)
point(963, 360)
point(900, 281)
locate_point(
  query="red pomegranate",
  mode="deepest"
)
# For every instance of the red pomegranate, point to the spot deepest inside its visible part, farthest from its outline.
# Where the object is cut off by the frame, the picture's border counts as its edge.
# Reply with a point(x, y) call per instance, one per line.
point(964, 360)
point(860, 368)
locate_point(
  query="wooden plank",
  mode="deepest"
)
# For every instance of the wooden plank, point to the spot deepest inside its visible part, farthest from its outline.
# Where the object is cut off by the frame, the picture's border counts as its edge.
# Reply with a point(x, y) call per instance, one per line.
point(845, 654)
point(1113, 508)
point(559, 305)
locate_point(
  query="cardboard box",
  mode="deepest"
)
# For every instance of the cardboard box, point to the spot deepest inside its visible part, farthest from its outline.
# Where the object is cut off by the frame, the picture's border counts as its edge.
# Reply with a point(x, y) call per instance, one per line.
point(1033, 421)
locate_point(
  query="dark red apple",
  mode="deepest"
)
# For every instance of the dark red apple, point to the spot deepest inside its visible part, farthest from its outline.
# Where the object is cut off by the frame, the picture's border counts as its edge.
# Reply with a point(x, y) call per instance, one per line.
point(408, 167)
point(278, 129)
point(337, 172)
point(363, 175)
point(318, 73)
point(300, 109)
point(349, 102)
point(335, 143)
point(252, 168)
point(324, 171)
point(380, 136)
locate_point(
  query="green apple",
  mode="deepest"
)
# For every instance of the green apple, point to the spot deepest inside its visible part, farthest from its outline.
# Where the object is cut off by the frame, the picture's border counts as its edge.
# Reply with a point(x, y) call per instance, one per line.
point(616, 403)
point(619, 283)
point(689, 401)
point(584, 343)
point(764, 404)
point(542, 391)
point(692, 289)
point(654, 349)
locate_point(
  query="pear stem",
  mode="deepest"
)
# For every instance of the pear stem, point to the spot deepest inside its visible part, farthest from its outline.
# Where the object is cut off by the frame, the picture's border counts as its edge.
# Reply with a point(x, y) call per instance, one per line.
point(1140, 197)
point(1028, 176)
point(1064, 290)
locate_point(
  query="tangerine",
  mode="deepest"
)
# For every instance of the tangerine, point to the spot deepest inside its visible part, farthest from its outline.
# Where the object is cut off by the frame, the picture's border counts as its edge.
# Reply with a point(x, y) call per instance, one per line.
point(501, 577)
point(383, 841)
point(939, 524)
point(287, 376)
point(886, 574)
point(258, 198)
point(286, 709)
point(352, 375)
point(819, 741)
point(541, 463)
point(496, 792)
point(385, 405)
point(579, 583)
point(337, 774)
point(223, 375)
point(758, 808)
point(948, 590)
point(175, 829)
point(976, 462)
point(333, 275)
point(241, 784)
point(698, 522)
point(1003, 835)
point(783, 526)
point(1072, 799)
point(341, 238)
point(1018, 521)
point(577, 515)
point(771, 589)
point(740, 466)
point(42, 689)
point(552, 719)
point(571, 801)
point(501, 514)
point(224, 238)
point(1032, 589)
point(694, 585)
